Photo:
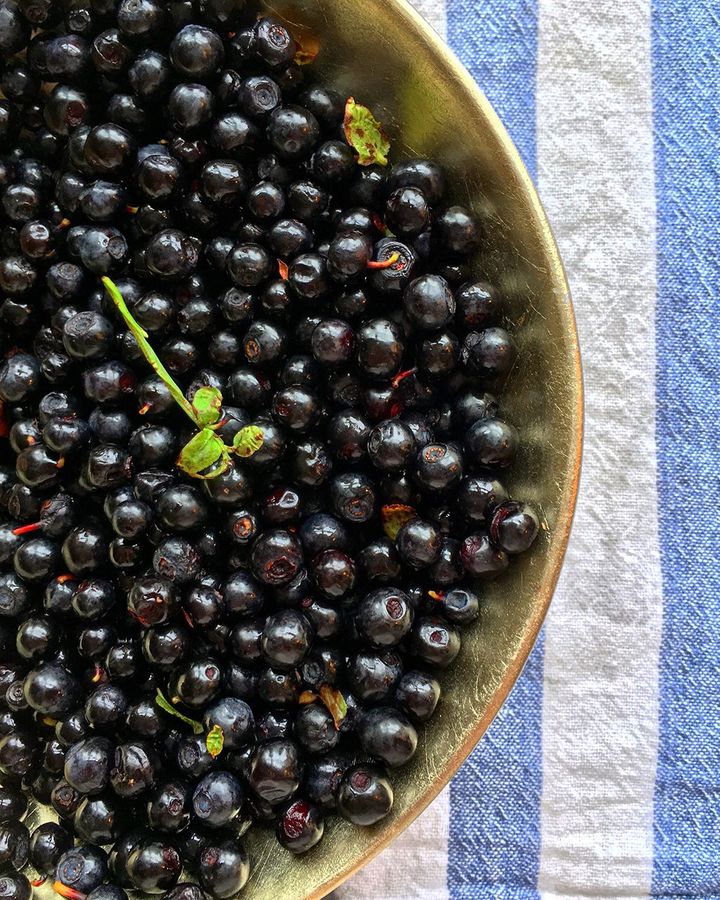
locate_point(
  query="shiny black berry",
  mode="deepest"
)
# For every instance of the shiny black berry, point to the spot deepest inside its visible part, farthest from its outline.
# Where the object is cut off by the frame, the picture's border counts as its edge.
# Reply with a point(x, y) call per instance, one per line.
point(365, 795)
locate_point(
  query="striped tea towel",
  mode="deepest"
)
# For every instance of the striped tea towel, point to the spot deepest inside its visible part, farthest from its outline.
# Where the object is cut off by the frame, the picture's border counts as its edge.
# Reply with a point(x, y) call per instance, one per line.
point(600, 778)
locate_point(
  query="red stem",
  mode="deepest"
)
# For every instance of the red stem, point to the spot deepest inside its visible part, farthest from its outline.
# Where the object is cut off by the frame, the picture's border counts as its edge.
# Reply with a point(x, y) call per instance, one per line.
point(385, 263)
point(68, 892)
point(26, 529)
point(401, 376)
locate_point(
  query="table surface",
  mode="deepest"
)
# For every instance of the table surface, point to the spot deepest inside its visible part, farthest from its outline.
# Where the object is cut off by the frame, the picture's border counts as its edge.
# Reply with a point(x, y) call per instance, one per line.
point(600, 778)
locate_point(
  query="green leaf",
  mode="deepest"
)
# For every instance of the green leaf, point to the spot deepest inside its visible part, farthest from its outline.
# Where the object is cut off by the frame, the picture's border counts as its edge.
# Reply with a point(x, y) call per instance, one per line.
point(365, 134)
point(165, 704)
point(207, 403)
point(215, 740)
point(248, 441)
point(204, 456)
point(335, 704)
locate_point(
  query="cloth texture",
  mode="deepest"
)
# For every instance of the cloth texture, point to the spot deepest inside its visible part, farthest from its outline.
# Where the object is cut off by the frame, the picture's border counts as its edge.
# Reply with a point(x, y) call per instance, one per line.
point(600, 777)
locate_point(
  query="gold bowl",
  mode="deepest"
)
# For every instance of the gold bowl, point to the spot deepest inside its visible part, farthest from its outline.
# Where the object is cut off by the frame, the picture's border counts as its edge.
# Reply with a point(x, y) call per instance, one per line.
point(384, 54)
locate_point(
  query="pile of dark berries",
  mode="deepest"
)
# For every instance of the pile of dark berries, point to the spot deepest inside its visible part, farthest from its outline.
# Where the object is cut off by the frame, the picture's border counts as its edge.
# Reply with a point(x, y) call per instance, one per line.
point(254, 637)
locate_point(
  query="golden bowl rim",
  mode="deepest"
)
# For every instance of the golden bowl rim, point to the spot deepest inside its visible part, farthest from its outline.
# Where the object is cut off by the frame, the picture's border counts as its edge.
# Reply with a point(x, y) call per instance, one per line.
point(563, 525)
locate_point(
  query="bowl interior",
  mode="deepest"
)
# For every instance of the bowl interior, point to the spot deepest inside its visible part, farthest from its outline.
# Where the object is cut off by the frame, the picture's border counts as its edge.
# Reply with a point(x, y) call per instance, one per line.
point(381, 52)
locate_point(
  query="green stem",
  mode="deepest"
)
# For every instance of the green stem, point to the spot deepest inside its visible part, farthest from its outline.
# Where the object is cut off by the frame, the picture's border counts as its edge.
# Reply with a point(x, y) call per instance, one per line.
point(165, 704)
point(150, 355)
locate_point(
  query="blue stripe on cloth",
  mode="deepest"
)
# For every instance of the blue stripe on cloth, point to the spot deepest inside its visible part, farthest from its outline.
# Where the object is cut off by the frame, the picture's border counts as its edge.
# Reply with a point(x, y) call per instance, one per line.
point(494, 843)
point(497, 41)
point(686, 82)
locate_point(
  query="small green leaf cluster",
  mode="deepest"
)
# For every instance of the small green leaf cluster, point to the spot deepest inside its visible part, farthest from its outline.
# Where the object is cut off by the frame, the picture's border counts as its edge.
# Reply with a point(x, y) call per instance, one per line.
point(206, 455)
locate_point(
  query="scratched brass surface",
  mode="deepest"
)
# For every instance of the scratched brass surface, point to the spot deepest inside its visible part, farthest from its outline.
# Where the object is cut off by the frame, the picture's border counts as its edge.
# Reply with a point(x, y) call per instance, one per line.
point(381, 52)
point(387, 57)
